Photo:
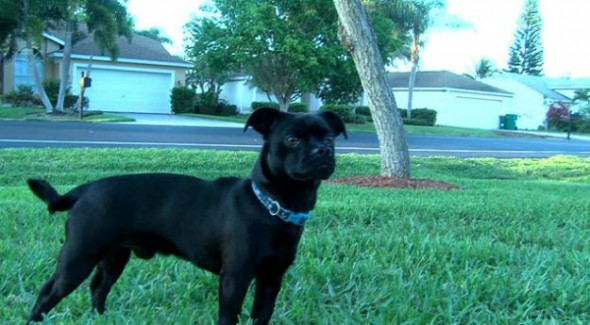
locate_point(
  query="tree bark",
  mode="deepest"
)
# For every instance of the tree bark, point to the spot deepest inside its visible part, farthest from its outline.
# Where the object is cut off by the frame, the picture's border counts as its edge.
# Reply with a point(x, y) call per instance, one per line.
point(414, 57)
point(31, 59)
point(64, 75)
point(358, 37)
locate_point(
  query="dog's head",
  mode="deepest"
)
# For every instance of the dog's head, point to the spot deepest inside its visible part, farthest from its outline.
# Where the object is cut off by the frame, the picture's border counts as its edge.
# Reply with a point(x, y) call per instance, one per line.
point(300, 146)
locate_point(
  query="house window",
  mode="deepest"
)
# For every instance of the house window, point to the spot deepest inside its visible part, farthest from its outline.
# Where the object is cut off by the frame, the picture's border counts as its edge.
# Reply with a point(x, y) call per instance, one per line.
point(22, 70)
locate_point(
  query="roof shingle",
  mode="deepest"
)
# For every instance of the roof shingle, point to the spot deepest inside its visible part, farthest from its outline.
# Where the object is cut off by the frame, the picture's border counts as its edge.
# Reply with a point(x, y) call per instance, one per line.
point(440, 79)
point(140, 48)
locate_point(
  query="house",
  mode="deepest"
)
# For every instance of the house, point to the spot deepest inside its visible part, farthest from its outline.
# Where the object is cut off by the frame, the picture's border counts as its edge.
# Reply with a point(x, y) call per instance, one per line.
point(139, 81)
point(532, 97)
point(459, 101)
point(568, 86)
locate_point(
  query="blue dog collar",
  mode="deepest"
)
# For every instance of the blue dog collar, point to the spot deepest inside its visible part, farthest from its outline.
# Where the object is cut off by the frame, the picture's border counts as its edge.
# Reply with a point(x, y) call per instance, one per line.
point(275, 209)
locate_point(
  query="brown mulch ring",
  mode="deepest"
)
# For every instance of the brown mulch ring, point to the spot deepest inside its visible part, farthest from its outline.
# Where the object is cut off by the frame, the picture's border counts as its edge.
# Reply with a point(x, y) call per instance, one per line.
point(382, 181)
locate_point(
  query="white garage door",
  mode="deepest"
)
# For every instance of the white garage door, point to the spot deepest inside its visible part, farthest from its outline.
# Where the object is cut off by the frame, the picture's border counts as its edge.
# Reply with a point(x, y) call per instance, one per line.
point(137, 91)
point(476, 113)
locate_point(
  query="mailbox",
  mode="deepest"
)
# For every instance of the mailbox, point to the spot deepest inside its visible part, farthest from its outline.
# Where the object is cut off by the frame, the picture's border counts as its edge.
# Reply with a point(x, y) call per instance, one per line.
point(87, 82)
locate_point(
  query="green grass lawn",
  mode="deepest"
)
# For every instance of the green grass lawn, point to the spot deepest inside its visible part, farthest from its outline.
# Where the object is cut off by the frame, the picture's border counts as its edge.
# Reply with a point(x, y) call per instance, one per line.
point(511, 247)
point(38, 114)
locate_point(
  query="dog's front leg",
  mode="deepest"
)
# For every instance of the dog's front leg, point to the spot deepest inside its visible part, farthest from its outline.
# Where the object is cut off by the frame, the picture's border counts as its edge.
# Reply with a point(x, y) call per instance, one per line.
point(267, 289)
point(233, 287)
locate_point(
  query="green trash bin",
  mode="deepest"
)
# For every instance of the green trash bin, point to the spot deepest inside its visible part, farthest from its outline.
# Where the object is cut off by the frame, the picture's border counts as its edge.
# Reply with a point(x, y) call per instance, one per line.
point(510, 121)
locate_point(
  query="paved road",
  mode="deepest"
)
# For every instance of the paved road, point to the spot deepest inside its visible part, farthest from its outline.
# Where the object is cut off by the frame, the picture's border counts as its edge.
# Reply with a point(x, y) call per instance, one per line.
point(42, 134)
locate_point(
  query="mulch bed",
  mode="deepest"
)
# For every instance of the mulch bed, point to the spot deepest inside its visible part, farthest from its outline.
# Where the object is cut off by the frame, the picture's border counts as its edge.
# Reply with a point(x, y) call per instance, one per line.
point(382, 181)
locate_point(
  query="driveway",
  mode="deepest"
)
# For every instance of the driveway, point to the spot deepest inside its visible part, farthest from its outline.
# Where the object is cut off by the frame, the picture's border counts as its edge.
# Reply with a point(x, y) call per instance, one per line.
point(175, 120)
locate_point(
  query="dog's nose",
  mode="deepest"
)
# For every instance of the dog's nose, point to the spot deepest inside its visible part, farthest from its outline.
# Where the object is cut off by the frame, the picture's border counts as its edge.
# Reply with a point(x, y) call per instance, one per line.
point(321, 151)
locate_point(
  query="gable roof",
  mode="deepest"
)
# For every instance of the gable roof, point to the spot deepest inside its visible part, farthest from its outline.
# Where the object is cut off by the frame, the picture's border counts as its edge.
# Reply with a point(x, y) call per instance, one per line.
point(139, 48)
point(567, 83)
point(537, 83)
point(441, 79)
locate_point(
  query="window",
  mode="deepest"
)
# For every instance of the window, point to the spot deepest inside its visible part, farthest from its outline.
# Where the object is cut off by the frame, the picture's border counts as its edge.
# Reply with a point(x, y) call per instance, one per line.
point(22, 70)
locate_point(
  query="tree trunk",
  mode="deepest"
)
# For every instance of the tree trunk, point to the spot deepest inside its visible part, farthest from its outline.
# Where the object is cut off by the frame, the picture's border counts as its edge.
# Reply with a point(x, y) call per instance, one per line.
point(36, 78)
point(31, 59)
point(414, 57)
point(357, 36)
point(64, 75)
point(283, 105)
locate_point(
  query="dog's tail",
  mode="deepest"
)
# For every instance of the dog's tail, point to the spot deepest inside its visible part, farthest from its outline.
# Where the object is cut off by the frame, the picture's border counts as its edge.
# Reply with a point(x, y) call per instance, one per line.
point(49, 195)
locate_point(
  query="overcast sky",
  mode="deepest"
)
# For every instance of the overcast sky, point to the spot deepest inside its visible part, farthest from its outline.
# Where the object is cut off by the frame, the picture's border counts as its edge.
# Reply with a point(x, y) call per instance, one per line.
point(566, 33)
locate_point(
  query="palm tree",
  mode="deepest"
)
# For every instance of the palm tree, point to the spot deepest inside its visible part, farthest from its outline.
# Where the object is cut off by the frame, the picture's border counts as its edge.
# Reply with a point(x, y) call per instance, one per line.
point(154, 34)
point(414, 17)
point(485, 68)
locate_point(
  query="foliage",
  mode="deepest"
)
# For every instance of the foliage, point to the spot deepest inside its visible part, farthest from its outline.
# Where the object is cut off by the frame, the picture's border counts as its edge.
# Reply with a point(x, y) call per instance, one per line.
point(485, 68)
point(212, 60)
point(205, 104)
point(558, 116)
point(182, 100)
point(155, 34)
point(256, 105)
point(23, 96)
point(581, 99)
point(288, 47)
point(451, 257)
point(426, 115)
point(345, 112)
point(298, 108)
point(526, 53)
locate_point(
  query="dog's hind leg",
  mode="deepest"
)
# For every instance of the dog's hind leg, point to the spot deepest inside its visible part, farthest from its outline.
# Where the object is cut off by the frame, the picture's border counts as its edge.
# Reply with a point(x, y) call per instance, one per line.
point(74, 266)
point(107, 273)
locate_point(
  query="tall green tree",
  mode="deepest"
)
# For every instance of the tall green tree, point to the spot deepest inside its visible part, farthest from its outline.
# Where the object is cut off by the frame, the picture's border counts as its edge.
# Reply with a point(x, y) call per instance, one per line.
point(288, 47)
point(9, 22)
point(282, 44)
point(526, 52)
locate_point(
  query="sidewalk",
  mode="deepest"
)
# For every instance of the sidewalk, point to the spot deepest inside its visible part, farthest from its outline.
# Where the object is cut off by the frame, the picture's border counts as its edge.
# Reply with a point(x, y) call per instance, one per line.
point(553, 134)
point(165, 119)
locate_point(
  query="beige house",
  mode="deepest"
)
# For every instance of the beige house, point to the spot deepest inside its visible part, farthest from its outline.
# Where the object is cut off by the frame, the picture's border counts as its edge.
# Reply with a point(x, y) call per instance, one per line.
point(139, 80)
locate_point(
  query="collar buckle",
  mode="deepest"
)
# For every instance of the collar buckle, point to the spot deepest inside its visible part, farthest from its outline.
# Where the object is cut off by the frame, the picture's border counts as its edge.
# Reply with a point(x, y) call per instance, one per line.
point(275, 209)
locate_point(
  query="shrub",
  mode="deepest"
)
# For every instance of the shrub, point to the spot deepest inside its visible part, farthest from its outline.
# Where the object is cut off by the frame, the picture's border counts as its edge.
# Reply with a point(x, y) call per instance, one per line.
point(557, 116)
point(415, 121)
point(71, 100)
point(182, 100)
point(52, 90)
point(425, 114)
point(345, 112)
point(363, 110)
point(205, 103)
point(298, 108)
point(23, 96)
point(428, 116)
point(582, 126)
point(256, 105)
point(224, 109)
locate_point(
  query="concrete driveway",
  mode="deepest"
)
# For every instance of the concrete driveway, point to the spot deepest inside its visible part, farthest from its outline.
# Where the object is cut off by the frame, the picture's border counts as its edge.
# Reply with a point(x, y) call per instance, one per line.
point(169, 119)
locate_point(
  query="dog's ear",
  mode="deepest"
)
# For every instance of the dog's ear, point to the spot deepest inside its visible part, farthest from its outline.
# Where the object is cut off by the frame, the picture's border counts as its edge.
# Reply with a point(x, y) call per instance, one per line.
point(262, 120)
point(335, 122)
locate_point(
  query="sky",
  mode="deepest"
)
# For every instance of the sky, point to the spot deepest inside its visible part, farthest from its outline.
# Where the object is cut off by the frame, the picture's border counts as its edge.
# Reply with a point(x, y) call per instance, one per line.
point(490, 33)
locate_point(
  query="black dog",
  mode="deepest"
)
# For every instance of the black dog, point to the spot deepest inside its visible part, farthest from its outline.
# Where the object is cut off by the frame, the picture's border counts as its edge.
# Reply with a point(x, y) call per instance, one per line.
point(241, 229)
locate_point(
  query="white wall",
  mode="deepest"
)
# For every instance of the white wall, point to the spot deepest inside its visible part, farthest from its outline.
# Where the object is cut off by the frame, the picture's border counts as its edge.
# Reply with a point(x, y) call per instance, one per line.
point(241, 94)
point(528, 104)
point(456, 107)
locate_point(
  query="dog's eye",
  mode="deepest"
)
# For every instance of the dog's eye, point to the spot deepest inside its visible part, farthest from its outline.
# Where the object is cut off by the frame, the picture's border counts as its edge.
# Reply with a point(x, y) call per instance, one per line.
point(293, 141)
